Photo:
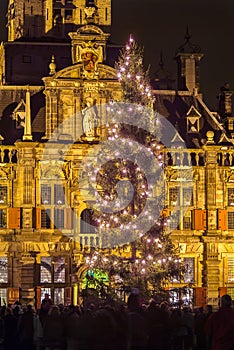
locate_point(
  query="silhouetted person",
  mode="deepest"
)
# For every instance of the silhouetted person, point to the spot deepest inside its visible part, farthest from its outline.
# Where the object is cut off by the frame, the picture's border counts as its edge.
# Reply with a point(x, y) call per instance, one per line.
point(25, 329)
point(137, 328)
point(220, 326)
point(10, 330)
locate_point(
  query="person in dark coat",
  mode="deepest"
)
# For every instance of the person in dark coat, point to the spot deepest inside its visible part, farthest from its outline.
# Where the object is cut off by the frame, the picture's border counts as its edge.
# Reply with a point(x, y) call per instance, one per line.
point(10, 321)
point(25, 329)
point(53, 330)
point(137, 327)
point(220, 326)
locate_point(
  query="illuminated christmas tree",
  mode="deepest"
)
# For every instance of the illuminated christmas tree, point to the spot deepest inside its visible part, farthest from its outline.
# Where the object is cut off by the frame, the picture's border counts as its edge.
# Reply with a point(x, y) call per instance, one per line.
point(145, 257)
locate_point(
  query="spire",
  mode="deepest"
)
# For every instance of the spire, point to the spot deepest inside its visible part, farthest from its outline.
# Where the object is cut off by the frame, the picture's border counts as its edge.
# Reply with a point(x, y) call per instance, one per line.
point(27, 127)
point(162, 78)
point(188, 46)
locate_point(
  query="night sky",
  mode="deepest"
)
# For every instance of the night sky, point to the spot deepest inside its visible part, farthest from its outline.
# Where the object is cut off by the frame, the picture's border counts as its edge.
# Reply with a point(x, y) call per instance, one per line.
point(160, 25)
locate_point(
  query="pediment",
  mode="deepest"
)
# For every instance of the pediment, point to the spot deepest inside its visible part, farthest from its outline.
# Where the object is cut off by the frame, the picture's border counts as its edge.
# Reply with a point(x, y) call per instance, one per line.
point(75, 72)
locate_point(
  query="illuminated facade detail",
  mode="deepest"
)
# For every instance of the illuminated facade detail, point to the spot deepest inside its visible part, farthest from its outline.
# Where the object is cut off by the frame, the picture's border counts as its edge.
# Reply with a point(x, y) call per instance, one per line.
point(41, 242)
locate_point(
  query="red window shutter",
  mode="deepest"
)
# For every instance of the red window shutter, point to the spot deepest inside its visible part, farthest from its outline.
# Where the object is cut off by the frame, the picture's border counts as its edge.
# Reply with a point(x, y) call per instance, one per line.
point(14, 218)
point(222, 219)
point(13, 295)
point(38, 217)
point(199, 221)
point(67, 295)
point(200, 296)
point(68, 218)
point(38, 297)
point(222, 291)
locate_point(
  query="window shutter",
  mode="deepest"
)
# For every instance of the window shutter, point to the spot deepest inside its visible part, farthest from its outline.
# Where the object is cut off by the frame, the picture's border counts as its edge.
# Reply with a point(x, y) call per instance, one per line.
point(222, 291)
point(67, 295)
point(222, 219)
point(38, 297)
point(13, 295)
point(14, 218)
point(68, 218)
point(200, 296)
point(199, 219)
point(38, 217)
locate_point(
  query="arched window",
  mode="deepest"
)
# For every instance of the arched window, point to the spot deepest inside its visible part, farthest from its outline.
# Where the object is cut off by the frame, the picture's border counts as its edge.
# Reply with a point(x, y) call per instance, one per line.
point(87, 222)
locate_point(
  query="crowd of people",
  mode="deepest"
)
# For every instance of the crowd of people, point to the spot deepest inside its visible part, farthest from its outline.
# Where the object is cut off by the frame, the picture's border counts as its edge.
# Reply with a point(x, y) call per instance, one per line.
point(134, 326)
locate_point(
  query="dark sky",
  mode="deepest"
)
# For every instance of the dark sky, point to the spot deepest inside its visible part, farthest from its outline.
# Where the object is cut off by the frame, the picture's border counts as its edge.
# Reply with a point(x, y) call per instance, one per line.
point(160, 25)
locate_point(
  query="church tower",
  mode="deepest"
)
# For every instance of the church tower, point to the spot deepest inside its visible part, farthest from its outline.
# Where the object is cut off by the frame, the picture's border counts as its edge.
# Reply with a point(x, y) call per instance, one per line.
point(55, 18)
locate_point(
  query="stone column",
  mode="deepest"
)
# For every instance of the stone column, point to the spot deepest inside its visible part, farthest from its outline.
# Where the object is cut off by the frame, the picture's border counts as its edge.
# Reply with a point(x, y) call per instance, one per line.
point(77, 127)
point(25, 183)
point(211, 273)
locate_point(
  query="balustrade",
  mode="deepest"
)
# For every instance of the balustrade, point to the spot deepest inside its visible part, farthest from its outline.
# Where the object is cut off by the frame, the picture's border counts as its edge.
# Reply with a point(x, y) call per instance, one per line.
point(182, 157)
point(8, 154)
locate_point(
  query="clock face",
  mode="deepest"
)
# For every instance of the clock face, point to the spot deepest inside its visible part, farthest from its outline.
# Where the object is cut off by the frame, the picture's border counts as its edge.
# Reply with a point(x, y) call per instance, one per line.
point(89, 59)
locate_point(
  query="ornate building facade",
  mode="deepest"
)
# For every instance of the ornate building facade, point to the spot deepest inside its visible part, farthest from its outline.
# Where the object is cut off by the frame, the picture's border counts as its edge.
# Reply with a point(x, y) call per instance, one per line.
point(58, 61)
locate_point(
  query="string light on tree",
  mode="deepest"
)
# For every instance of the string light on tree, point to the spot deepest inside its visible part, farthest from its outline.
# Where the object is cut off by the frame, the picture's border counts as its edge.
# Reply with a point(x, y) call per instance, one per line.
point(152, 260)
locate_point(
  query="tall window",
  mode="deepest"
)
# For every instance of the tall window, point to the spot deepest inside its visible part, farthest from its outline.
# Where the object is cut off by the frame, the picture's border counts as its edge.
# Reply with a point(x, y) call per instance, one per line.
point(45, 194)
point(180, 200)
point(189, 270)
point(174, 196)
point(231, 220)
point(53, 200)
point(3, 194)
point(230, 270)
point(45, 218)
point(59, 197)
point(3, 218)
point(46, 270)
point(3, 269)
point(52, 270)
point(231, 196)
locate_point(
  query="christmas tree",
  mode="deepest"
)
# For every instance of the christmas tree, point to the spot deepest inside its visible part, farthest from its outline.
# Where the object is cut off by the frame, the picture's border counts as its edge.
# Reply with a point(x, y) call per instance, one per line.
point(145, 257)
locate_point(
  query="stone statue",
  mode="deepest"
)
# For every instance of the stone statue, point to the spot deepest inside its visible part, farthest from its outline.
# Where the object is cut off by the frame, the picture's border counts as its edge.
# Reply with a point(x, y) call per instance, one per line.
point(89, 119)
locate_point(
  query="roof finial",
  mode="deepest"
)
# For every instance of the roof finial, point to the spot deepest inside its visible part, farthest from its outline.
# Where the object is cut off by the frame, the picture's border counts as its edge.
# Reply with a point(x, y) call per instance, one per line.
point(161, 63)
point(187, 34)
point(188, 46)
point(52, 66)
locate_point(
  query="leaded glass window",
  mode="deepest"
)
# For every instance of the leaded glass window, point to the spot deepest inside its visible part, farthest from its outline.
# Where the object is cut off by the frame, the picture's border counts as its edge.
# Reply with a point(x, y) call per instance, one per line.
point(3, 269)
point(174, 196)
point(59, 218)
point(231, 220)
point(187, 221)
point(58, 296)
point(174, 220)
point(189, 270)
point(230, 276)
point(59, 197)
point(231, 196)
point(3, 218)
point(45, 218)
point(45, 194)
point(187, 196)
point(46, 270)
point(3, 296)
point(59, 269)
point(3, 194)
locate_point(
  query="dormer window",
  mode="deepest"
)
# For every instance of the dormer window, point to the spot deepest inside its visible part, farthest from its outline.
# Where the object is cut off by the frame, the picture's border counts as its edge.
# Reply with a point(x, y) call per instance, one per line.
point(193, 120)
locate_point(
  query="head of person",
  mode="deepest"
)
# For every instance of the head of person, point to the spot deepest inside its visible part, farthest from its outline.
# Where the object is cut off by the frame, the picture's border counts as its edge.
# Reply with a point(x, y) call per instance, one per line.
point(134, 302)
point(226, 300)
